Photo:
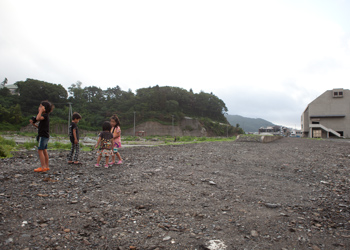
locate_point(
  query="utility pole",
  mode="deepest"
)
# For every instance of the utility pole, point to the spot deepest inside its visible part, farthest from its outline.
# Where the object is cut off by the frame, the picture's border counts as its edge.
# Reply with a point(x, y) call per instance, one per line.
point(172, 123)
point(70, 114)
point(134, 123)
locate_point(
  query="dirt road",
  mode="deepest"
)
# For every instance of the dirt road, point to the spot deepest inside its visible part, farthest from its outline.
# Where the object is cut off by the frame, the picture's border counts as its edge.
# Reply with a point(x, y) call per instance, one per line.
point(289, 194)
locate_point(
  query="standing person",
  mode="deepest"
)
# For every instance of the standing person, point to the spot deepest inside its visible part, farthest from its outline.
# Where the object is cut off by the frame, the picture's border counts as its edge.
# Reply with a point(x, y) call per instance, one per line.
point(42, 117)
point(74, 139)
point(116, 131)
point(105, 141)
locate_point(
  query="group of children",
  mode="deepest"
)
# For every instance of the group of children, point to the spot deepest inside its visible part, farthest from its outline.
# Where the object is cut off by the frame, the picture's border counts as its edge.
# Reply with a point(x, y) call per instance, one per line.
point(109, 140)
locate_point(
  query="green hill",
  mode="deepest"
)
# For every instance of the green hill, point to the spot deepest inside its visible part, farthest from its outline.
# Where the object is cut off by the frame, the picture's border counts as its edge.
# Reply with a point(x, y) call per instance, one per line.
point(248, 124)
point(166, 105)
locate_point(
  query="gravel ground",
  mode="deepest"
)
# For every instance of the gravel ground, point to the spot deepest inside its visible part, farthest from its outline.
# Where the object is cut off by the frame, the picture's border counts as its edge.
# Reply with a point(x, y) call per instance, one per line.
point(289, 194)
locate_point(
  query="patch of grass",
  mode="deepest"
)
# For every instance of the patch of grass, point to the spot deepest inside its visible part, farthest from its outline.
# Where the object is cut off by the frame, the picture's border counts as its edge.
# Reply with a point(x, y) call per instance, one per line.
point(52, 146)
point(185, 138)
point(171, 140)
point(5, 151)
point(4, 141)
point(86, 148)
point(28, 145)
point(6, 146)
point(31, 134)
point(5, 126)
point(67, 146)
point(129, 138)
point(203, 139)
point(59, 145)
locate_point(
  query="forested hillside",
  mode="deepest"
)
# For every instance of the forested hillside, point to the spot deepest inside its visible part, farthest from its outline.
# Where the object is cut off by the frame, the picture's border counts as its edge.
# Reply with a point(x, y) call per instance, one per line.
point(161, 104)
point(248, 124)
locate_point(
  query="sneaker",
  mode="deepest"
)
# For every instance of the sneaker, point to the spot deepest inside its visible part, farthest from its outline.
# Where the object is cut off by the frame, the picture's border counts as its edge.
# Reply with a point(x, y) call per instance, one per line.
point(106, 166)
point(46, 169)
point(97, 165)
point(111, 163)
point(39, 169)
point(120, 162)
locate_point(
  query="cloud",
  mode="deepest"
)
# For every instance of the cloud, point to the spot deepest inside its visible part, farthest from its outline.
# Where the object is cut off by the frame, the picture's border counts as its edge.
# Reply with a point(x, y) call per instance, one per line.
point(266, 59)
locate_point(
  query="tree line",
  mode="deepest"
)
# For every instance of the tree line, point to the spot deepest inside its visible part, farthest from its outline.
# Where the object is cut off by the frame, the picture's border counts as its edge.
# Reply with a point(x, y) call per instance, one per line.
point(157, 103)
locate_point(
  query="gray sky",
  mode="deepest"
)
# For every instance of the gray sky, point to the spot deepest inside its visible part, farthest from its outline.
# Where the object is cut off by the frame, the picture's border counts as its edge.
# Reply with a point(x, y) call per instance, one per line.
point(265, 59)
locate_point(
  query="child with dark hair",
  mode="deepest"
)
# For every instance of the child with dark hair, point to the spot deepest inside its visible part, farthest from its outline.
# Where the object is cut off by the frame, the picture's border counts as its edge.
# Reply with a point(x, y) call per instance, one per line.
point(105, 141)
point(74, 139)
point(42, 117)
point(116, 131)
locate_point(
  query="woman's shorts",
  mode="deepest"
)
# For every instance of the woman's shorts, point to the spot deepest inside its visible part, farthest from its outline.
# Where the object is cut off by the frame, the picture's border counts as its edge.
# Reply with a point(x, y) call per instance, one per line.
point(43, 141)
point(104, 152)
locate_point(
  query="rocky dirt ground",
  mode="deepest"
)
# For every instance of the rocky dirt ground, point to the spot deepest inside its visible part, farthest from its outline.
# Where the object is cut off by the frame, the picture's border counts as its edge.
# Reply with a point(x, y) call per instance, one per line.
point(289, 194)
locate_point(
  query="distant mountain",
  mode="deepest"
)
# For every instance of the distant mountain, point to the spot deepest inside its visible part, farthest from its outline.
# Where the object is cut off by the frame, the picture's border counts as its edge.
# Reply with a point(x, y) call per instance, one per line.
point(248, 124)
